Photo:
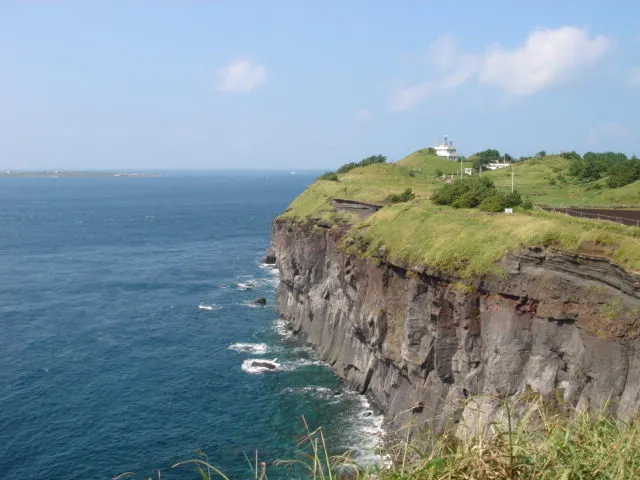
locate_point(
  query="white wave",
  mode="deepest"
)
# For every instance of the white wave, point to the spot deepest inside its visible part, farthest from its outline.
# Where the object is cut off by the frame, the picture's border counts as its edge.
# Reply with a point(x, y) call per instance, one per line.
point(322, 393)
point(256, 348)
point(248, 285)
point(306, 349)
point(208, 307)
point(258, 365)
point(281, 328)
point(251, 304)
point(364, 432)
point(305, 362)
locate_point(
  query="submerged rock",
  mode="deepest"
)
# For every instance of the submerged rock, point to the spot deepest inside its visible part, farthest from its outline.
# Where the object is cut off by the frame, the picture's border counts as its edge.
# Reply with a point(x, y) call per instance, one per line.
point(260, 301)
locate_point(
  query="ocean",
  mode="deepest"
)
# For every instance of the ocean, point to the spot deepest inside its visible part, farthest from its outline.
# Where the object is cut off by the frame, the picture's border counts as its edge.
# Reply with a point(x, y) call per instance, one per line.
point(127, 326)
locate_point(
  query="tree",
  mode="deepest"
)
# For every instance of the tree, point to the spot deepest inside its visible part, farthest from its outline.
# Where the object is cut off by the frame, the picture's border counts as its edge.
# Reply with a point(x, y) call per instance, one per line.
point(365, 162)
point(331, 176)
point(475, 192)
point(484, 157)
point(402, 197)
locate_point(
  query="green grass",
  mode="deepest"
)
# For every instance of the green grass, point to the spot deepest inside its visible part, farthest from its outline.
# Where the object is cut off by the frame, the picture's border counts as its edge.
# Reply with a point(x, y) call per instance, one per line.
point(546, 181)
point(469, 243)
point(544, 443)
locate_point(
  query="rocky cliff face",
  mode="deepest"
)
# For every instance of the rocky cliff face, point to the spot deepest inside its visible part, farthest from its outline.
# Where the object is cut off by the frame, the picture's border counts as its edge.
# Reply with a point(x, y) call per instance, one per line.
point(420, 343)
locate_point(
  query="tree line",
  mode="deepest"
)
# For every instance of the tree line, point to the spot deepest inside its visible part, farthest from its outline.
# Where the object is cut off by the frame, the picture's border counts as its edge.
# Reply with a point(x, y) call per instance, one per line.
point(618, 169)
point(365, 162)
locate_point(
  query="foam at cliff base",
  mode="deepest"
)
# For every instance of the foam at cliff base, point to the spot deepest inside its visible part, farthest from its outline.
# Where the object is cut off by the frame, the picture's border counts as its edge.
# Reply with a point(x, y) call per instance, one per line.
point(281, 328)
point(318, 392)
point(365, 431)
point(256, 348)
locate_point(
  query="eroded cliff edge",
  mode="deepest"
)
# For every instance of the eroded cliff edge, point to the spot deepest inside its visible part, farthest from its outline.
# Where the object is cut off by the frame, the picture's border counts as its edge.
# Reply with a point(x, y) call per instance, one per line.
point(418, 341)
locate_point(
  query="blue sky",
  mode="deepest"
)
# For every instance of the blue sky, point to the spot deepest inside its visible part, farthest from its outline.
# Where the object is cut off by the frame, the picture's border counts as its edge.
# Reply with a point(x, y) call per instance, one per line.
point(311, 84)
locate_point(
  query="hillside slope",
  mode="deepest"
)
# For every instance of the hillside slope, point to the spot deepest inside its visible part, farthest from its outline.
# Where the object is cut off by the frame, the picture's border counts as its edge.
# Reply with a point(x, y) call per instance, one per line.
point(469, 242)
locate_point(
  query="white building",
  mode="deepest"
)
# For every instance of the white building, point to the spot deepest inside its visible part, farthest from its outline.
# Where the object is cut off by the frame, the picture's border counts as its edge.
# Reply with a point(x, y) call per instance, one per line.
point(497, 165)
point(446, 150)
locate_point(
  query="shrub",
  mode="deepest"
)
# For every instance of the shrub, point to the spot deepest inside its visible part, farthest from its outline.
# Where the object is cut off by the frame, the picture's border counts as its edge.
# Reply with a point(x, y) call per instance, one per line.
point(465, 193)
point(331, 176)
point(474, 192)
point(494, 203)
point(527, 204)
point(365, 162)
point(512, 199)
point(402, 197)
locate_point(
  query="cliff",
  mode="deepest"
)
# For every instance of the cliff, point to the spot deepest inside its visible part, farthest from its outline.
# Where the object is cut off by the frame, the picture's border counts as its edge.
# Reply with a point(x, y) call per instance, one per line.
point(419, 341)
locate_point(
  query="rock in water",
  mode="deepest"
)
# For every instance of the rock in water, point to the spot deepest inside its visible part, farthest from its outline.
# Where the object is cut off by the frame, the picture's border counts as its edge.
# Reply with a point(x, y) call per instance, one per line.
point(270, 259)
point(260, 301)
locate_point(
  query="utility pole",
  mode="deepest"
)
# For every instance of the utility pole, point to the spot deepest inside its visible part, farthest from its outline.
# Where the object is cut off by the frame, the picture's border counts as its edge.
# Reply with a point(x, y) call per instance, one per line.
point(512, 179)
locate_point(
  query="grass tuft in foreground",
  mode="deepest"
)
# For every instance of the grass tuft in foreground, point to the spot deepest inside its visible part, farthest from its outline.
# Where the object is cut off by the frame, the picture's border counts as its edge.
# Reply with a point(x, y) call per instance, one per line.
point(544, 444)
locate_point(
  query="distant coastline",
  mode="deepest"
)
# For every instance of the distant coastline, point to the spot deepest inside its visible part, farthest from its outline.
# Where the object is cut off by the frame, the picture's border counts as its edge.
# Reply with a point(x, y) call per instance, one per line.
point(76, 174)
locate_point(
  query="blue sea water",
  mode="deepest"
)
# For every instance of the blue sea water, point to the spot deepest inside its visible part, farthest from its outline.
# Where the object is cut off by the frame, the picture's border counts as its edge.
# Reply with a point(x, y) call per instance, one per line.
point(119, 301)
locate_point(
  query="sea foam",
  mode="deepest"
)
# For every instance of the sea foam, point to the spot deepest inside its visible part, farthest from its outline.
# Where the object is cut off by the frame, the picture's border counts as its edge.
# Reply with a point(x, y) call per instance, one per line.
point(208, 307)
point(249, 366)
point(256, 348)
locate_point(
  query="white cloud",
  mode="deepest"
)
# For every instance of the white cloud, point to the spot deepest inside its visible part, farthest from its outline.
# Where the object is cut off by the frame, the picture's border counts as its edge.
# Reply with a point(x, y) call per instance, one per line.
point(240, 76)
point(547, 58)
point(634, 78)
point(408, 97)
point(445, 56)
point(364, 113)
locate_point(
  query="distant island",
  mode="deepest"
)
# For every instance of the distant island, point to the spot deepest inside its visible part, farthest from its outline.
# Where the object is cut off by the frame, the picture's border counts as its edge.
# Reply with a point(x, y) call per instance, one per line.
point(76, 174)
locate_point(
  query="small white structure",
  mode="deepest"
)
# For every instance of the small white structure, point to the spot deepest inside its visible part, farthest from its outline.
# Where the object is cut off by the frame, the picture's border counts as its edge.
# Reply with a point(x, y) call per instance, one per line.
point(497, 165)
point(468, 171)
point(446, 150)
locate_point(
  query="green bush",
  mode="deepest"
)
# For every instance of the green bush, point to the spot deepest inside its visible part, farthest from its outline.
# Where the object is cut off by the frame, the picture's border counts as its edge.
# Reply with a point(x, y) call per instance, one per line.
point(475, 192)
point(512, 199)
point(402, 197)
point(365, 162)
point(494, 203)
point(332, 176)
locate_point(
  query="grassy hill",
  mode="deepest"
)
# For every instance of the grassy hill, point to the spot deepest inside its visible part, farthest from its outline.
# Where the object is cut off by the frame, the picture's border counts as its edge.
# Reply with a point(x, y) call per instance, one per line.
point(465, 241)
point(547, 181)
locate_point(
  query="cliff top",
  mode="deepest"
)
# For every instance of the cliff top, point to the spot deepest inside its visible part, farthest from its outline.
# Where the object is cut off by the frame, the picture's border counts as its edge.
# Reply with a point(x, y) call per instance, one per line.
point(470, 242)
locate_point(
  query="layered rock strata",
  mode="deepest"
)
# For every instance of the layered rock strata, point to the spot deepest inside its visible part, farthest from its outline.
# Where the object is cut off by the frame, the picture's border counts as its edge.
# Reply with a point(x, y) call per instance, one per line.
point(420, 344)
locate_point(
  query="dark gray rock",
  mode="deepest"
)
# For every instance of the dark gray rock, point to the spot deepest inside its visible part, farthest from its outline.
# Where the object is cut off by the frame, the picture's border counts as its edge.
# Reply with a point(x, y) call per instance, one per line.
point(417, 345)
point(260, 301)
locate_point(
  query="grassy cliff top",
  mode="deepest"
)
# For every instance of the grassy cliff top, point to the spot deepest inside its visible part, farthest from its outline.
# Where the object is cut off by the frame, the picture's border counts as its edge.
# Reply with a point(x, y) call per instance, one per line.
point(468, 242)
